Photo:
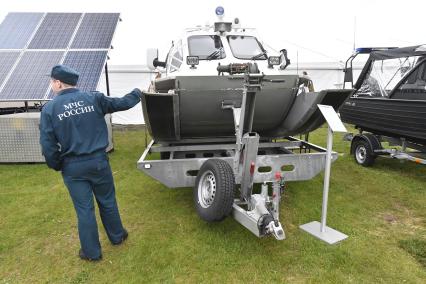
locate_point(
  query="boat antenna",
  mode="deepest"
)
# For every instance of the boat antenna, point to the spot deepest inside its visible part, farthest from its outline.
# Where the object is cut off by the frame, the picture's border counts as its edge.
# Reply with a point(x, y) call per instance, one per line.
point(354, 48)
point(297, 62)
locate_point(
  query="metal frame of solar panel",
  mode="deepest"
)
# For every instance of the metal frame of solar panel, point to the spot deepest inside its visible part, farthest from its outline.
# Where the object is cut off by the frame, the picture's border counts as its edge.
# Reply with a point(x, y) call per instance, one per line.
point(32, 43)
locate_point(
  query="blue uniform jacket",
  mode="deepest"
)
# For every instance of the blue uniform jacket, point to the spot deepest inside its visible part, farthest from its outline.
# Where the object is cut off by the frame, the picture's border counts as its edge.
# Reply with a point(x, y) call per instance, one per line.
point(73, 123)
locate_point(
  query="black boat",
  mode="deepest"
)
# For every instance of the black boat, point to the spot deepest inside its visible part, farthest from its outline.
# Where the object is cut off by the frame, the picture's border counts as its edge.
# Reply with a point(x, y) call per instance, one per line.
point(389, 103)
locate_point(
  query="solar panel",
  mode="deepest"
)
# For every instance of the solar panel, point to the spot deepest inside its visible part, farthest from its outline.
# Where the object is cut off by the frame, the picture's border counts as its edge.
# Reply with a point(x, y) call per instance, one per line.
point(89, 64)
point(38, 41)
point(96, 31)
point(30, 80)
point(17, 28)
point(7, 60)
point(56, 31)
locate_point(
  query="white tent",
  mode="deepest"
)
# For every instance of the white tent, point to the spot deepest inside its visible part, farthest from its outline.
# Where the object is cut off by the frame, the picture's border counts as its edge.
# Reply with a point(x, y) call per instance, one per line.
point(123, 79)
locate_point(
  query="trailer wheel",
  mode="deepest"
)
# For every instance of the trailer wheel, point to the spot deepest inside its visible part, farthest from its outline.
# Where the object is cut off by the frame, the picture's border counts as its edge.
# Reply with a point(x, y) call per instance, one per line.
point(363, 153)
point(214, 190)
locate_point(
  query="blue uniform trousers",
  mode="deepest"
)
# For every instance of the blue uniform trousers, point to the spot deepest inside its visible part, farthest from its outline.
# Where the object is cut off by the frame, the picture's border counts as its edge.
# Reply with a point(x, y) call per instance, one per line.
point(84, 177)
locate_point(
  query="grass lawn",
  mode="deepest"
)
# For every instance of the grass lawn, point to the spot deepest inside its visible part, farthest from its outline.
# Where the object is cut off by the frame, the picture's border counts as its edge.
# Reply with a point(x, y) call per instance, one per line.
point(382, 209)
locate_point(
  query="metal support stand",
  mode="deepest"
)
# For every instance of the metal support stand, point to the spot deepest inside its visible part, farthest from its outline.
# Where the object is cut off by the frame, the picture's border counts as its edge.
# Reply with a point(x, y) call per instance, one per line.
point(315, 228)
point(251, 145)
point(107, 80)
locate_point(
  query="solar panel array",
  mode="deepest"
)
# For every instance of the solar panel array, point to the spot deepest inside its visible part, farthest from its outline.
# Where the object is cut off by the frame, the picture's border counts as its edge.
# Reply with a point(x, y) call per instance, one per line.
point(32, 43)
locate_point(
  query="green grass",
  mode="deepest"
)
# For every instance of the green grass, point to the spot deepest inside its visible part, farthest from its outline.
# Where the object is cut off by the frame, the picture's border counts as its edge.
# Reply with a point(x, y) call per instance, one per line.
point(382, 209)
point(417, 248)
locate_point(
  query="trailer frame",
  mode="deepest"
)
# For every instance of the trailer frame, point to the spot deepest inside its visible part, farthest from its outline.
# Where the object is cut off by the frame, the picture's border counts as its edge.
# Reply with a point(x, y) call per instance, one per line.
point(252, 160)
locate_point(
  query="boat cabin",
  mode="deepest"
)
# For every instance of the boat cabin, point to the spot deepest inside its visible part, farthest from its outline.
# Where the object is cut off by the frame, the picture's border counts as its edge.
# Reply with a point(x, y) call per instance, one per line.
point(396, 73)
point(200, 50)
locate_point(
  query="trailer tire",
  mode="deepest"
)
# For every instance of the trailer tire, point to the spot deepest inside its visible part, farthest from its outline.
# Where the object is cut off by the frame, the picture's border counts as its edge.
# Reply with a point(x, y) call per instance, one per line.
point(214, 190)
point(363, 153)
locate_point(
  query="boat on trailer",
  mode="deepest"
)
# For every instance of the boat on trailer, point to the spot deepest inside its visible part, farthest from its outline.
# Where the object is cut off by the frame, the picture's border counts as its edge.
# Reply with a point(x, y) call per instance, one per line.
point(389, 104)
point(187, 101)
point(222, 116)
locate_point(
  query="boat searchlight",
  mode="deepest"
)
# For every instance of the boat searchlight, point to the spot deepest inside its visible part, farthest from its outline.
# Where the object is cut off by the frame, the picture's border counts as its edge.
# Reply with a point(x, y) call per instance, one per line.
point(192, 60)
point(221, 26)
point(274, 60)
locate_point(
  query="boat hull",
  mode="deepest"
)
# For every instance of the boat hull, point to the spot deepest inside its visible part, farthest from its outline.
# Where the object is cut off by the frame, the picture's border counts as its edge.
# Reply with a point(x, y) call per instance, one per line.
point(191, 107)
point(389, 117)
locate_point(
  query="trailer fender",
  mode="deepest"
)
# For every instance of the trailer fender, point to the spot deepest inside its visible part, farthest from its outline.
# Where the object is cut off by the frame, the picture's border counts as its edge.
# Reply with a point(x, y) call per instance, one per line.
point(371, 139)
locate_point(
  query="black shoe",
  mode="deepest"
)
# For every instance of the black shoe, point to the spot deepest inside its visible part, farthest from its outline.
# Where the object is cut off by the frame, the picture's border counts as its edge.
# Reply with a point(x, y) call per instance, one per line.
point(123, 238)
point(84, 257)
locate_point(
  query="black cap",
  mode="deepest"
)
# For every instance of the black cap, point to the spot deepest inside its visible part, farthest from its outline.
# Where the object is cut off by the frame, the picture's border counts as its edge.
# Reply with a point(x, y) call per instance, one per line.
point(65, 74)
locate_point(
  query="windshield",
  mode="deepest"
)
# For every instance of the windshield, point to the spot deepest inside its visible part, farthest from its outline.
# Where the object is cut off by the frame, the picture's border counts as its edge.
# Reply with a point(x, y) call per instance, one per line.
point(206, 47)
point(385, 75)
point(246, 47)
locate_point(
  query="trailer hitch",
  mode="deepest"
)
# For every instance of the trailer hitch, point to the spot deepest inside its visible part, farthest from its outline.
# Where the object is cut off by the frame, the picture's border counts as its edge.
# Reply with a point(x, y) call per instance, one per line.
point(274, 228)
point(265, 222)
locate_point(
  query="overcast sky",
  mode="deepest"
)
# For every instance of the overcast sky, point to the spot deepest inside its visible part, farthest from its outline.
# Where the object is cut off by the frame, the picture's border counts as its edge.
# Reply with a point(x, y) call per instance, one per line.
point(311, 30)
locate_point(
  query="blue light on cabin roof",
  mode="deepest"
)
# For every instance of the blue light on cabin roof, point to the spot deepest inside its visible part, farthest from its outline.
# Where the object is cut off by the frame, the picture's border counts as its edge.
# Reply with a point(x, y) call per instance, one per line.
point(364, 49)
point(220, 11)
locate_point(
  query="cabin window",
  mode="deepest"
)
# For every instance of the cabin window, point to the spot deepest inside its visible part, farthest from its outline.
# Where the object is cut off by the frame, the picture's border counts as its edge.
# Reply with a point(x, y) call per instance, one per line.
point(246, 47)
point(414, 86)
point(370, 88)
point(206, 47)
point(175, 57)
point(384, 76)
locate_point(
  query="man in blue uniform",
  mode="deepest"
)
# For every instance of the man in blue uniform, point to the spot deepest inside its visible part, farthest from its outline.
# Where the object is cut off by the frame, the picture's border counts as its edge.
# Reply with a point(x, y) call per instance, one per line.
point(73, 136)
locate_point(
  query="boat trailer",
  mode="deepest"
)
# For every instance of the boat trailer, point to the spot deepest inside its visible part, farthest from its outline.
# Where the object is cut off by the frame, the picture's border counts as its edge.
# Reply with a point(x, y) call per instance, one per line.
point(214, 166)
point(366, 147)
